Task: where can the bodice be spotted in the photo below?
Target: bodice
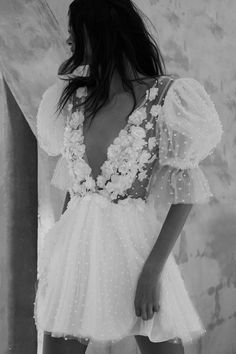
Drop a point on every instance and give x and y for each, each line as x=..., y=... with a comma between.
x=131, y=156
x=157, y=155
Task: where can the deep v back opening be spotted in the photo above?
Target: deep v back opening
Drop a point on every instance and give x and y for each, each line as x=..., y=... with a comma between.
x=125, y=128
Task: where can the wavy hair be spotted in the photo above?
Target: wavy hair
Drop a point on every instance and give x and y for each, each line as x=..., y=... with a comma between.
x=117, y=33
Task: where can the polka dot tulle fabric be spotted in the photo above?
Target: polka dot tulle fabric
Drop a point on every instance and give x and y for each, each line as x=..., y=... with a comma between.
x=92, y=256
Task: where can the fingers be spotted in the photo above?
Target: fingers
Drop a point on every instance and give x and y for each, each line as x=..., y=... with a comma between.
x=156, y=307
x=138, y=311
x=144, y=313
x=147, y=311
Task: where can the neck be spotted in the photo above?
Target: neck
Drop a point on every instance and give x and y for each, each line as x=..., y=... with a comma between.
x=116, y=86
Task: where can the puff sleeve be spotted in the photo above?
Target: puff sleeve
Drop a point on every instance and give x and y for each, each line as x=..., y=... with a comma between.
x=188, y=129
x=50, y=125
x=50, y=132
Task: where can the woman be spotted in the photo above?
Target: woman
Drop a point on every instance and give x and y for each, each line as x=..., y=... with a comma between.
x=130, y=140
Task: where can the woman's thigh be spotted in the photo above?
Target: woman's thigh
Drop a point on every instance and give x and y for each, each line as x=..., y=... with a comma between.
x=148, y=347
x=53, y=345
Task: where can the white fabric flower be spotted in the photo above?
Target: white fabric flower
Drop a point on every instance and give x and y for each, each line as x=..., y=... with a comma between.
x=81, y=169
x=138, y=132
x=101, y=181
x=152, y=142
x=138, y=116
x=113, y=151
x=109, y=187
x=76, y=135
x=129, y=154
x=78, y=149
x=138, y=144
x=116, y=141
x=153, y=93
x=145, y=156
x=142, y=175
x=81, y=92
x=125, y=155
x=155, y=110
x=123, y=138
x=76, y=119
x=115, y=178
x=89, y=183
x=107, y=169
x=119, y=183
x=149, y=125
x=123, y=168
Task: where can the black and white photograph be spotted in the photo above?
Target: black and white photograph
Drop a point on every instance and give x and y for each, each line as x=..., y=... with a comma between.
x=118, y=179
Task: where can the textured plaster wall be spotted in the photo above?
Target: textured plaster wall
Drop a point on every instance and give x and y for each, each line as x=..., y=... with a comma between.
x=31, y=49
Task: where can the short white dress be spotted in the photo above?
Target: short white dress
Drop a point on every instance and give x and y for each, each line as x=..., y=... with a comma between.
x=93, y=255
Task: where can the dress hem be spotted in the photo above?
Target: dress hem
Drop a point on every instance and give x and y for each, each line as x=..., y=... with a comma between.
x=86, y=339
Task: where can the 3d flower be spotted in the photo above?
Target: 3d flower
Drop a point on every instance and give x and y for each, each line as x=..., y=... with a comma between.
x=142, y=175
x=76, y=135
x=123, y=168
x=125, y=156
x=113, y=151
x=81, y=169
x=101, y=180
x=138, y=116
x=155, y=110
x=77, y=149
x=81, y=92
x=89, y=183
x=152, y=142
x=137, y=132
x=138, y=144
x=149, y=125
x=153, y=93
x=144, y=157
x=76, y=119
x=107, y=169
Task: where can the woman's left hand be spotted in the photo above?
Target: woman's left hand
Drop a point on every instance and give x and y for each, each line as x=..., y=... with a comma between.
x=147, y=295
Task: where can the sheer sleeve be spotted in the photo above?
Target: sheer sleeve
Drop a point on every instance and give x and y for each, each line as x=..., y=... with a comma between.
x=50, y=125
x=61, y=178
x=188, y=129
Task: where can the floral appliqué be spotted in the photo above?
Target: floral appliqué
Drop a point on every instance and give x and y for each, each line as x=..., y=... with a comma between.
x=126, y=156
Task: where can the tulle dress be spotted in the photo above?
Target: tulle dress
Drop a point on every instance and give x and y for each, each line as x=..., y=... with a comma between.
x=93, y=255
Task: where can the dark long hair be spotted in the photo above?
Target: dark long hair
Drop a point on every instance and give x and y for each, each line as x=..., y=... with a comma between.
x=116, y=33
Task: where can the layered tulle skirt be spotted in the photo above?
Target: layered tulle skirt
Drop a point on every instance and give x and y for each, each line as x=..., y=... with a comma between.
x=89, y=268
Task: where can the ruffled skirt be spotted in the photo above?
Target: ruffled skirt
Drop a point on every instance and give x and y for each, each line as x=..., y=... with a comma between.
x=89, y=268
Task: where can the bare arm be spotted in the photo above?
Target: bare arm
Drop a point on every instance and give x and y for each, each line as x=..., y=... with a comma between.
x=169, y=233
x=147, y=296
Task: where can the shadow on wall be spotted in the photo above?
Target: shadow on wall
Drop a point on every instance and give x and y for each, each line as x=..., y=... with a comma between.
x=19, y=223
